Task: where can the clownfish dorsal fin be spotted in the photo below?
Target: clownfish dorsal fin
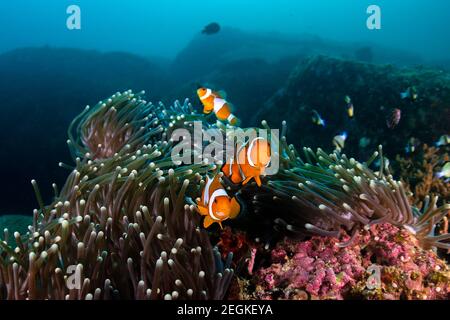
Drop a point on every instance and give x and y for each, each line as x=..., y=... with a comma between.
x=215, y=184
x=231, y=107
x=221, y=94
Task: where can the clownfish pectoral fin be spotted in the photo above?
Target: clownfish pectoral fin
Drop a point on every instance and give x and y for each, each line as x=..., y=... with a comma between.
x=226, y=169
x=236, y=178
x=202, y=210
x=235, y=208
x=258, y=181
x=207, y=222
x=247, y=180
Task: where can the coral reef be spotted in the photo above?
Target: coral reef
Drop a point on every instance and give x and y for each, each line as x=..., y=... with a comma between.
x=321, y=83
x=384, y=262
x=418, y=170
x=326, y=193
x=125, y=218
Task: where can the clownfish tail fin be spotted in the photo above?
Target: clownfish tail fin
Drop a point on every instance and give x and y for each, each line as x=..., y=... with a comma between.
x=233, y=120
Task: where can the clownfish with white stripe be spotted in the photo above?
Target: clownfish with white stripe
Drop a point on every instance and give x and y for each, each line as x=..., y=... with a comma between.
x=249, y=162
x=215, y=204
x=216, y=101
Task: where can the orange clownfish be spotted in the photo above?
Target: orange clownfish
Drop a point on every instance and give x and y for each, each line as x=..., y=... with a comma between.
x=249, y=162
x=215, y=101
x=215, y=204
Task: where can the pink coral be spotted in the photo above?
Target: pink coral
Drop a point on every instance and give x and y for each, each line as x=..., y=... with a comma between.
x=322, y=269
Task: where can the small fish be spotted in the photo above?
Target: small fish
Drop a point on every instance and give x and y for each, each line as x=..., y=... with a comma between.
x=445, y=172
x=339, y=141
x=216, y=101
x=443, y=140
x=364, y=142
x=386, y=162
x=393, y=118
x=249, y=162
x=317, y=119
x=350, y=107
x=411, y=146
x=211, y=28
x=410, y=93
x=215, y=204
x=347, y=99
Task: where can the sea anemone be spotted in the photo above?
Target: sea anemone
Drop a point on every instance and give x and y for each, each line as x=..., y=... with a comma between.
x=120, y=220
x=326, y=194
x=125, y=220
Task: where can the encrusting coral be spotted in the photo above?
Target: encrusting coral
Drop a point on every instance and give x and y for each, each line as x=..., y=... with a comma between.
x=126, y=221
x=384, y=262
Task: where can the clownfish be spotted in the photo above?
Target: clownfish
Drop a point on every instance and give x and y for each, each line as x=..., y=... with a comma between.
x=216, y=101
x=249, y=162
x=215, y=204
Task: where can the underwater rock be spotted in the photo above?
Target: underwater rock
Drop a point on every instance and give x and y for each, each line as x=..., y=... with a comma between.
x=322, y=83
x=205, y=55
x=364, y=54
x=384, y=262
